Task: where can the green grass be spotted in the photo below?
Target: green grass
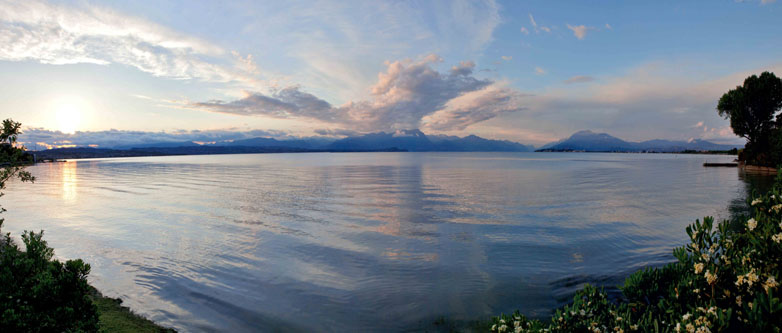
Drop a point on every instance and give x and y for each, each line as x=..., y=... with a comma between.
x=117, y=318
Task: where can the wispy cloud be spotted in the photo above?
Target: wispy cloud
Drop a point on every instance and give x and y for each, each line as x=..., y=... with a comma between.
x=403, y=96
x=540, y=71
x=58, y=34
x=535, y=26
x=524, y=31
x=507, y=58
x=579, y=79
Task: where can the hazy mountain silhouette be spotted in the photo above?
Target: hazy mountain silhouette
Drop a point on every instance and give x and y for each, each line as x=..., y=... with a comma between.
x=402, y=140
x=415, y=140
x=602, y=142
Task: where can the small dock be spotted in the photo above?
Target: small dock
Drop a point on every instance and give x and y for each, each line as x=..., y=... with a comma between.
x=727, y=165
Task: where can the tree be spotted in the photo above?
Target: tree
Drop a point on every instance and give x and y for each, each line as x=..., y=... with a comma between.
x=751, y=108
x=12, y=159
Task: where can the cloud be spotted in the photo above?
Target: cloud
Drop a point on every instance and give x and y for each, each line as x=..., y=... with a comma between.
x=579, y=79
x=335, y=47
x=507, y=58
x=58, y=35
x=474, y=107
x=765, y=2
x=336, y=132
x=286, y=103
x=403, y=96
x=540, y=71
x=579, y=31
x=608, y=26
x=39, y=138
x=535, y=25
x=524, y=31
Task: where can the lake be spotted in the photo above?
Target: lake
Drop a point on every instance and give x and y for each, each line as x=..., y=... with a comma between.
x=365, y=241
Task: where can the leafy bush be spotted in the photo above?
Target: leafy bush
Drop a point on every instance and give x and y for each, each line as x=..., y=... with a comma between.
x=39, y=293
x=724, y=280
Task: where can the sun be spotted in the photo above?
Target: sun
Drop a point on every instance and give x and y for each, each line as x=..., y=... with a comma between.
x=68, y=113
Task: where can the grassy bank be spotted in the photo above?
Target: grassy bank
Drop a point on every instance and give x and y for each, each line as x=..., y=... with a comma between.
x=113, y=317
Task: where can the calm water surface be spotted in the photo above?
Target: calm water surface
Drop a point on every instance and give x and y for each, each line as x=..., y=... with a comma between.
x=337, y=242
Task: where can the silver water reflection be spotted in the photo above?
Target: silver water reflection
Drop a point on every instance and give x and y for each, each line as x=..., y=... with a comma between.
x=364, y=241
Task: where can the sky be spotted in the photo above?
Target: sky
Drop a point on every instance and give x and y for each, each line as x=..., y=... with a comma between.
x=527, y=71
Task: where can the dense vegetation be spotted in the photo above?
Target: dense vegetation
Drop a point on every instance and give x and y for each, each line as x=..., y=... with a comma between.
x=751, y=109
x=724, y=280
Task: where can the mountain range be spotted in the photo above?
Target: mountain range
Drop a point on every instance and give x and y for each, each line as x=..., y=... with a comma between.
x=601, y=142
x=401, y=140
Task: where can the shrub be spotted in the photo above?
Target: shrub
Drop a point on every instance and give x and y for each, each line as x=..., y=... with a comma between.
x=726, y=279
x=39, y=293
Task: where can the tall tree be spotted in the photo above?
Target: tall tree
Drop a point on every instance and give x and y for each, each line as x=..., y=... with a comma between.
x=751, y=108
x=12, y=159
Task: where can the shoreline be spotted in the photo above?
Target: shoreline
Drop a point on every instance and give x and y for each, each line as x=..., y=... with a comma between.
x=114, y=317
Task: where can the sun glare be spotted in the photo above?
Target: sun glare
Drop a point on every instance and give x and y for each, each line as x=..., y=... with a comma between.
x=68, y=113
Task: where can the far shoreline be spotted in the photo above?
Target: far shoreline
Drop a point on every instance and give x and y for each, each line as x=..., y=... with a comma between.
x=64, y=154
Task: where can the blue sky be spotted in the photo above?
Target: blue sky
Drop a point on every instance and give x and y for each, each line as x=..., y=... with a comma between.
x=528, y=71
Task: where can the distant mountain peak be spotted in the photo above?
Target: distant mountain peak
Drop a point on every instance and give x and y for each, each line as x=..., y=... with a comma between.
x=587, y=140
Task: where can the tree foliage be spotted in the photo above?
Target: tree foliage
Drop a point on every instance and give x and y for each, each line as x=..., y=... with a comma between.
x=751, y=108
x=38, y=293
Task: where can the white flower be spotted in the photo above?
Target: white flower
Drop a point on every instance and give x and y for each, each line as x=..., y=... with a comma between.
x=776, y=208
x=705, y=256
x=517, y=329
x=738, y=300
x=494, y=327
x=582, y=313
x=710, y=277
x=752, y=278
x=690, y=328
x=703, y=329
x=503, y=328
x=756, y=201
x=771, y=282
x=777, y=238
x=678, y=327
x=686, y=316
x=713, y=311
x=634, y=327
x=751, y=224
x=698, y=268
x=516, y=323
